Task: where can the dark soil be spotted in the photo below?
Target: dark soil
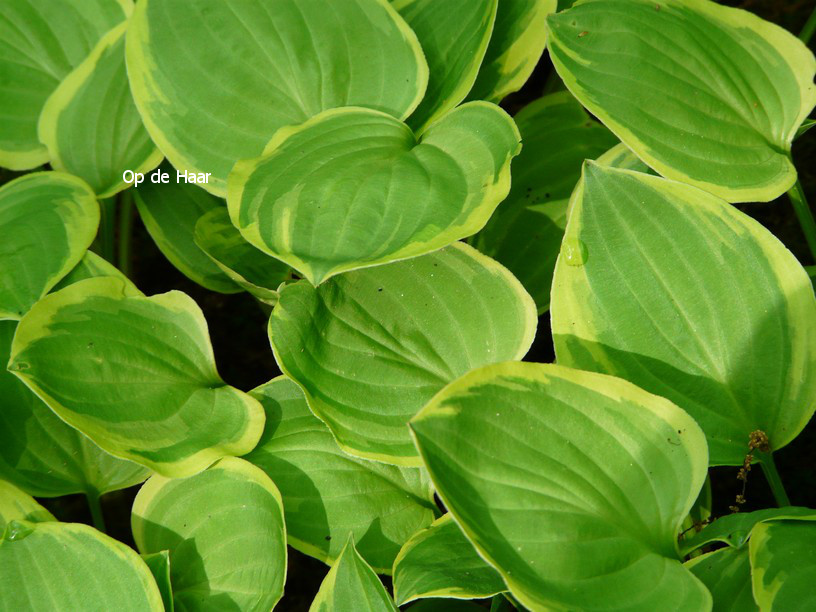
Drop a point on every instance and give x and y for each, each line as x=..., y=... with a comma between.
x=238, y=330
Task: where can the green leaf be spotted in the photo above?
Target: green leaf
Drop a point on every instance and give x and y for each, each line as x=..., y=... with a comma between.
x=371, y=347
x=445, y=605
x=735, y=529
x=135, y=374
x=298, y=452
x=215, y=81
x=783, y=565
x=516, y=45
x=704, y=94
x=159, y=565
x=454, y=37
x=40, y=453
x=805, y=127
x=391, y=197
x=65, y=566
x=43, y=41
x=225, y=533
x=727, y=575
x=572, y=484
x=351, y=584
x=47, y=220
x=440, y=562
x=248, y=267
x=671, y=288
x=16, y=505
x=93, y=105
x=170, y=213
x=92, y=266
x=525, y=232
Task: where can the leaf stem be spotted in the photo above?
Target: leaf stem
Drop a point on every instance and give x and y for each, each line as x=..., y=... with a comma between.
x=104, y=243
x=96, y=510
x=810, y=27
x=125, y=225
x=772, y=476
x=804, y=214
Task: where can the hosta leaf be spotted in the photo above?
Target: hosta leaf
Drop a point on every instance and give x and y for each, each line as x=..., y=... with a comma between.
x=735, y=529
x=159, y=565
x=92, y=266
x=516, y=45
x=15, y=505
x=135, y=374
x=225, y=533
x=727, y=575
x=65, y=566
x=454, y=37
x=371, y=347
x=675, y=290
x=351, y=584
x=705, y=94
x=93, y=106
x=170, y=213
x=445, y=605
x=783, y=565
x=47, y=221
x=248, y=267
x=315, y=477
x=572, y=484
x=353, y=188
x=441, y=562
x=525, y=232
x=215, y=81
x=40, y=453
x=41, y=41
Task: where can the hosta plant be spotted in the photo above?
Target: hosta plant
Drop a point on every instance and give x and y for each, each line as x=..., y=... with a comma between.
x=439, y=305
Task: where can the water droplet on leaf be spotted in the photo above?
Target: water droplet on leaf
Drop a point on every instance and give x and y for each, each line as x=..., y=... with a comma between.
x=16, y=531
x=574, y=251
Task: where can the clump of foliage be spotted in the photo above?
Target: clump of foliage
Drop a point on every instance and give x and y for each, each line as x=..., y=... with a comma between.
x=347, y=164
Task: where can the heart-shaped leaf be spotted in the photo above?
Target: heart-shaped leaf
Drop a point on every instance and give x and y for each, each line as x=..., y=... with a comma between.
x=47, y=221
x=727, y=575
x=454, y=37
x=215, y=81
x=783, y=565
x=672, y=288
x=572, y=484
x=93, y=105
x=705, y=94
x=440, y=562
x=16, y=505
x=41, y=454
x=371, y=347
x=351, y=584
x=65, y=566
x=525, y=232
x=248, y=267
x=43, y=40
x=225, y=532
x=735, y=529
x=135, y=374
x=352, y=188
x=314, y=476
x=170, y=212
x=515, y=47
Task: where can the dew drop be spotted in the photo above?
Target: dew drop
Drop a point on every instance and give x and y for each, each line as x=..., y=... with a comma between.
x=16, y=531
x=574, y=251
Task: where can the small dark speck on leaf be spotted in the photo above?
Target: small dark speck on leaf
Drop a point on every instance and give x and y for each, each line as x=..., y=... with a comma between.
x=328, y=538
x=582, y=34
x=669, y=440
x=380, y=289
x=90, y=345
x=546, y=195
